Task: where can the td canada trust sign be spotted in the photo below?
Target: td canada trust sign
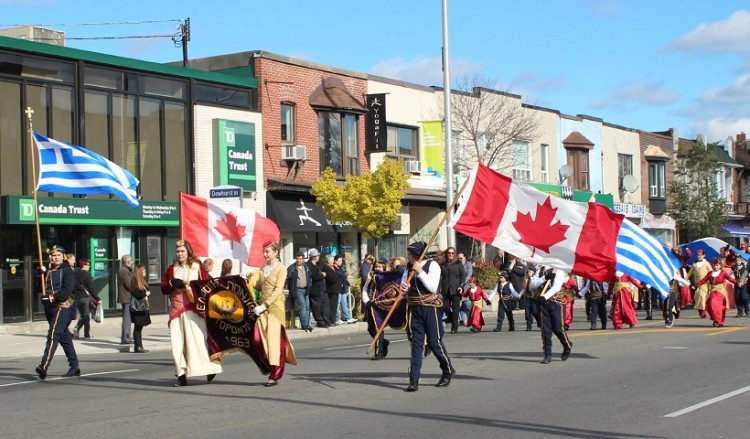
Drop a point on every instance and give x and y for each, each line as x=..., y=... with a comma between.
x=234, y=144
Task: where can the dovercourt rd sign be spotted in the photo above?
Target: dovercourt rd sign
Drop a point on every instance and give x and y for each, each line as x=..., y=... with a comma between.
x=81, y=211
x=235, y=148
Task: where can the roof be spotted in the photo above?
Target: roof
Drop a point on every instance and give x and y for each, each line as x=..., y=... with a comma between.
x=332, y=93
x=655, y=151
x=122, y=62
x=723, y=157
x=577, y=140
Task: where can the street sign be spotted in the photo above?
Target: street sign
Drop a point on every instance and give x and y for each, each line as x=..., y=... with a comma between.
x=225, y=192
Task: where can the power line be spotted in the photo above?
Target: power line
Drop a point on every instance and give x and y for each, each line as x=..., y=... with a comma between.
x=106, y=38
x=110, y=23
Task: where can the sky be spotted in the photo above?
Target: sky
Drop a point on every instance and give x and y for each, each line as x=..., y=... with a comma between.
x=644, y=64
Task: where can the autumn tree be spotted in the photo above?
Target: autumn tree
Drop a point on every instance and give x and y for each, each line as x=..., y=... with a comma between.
x=370, y=202
x=696, y=204
x=486, y=123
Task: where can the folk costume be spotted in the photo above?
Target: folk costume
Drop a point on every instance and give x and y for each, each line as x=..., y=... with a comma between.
x=717, y=303
x=505, y=305
x=270, y=336
x=476, y=295
x=552, y=302
x=698, y=271
x=569, y=289
x=187, y=329
x=622, y=300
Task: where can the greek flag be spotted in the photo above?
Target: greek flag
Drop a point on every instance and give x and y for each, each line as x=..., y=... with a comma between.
x=72, y=169
x=642, y=256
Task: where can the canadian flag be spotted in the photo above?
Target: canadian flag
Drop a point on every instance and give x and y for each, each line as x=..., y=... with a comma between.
x=222, y=231
x=538, y=227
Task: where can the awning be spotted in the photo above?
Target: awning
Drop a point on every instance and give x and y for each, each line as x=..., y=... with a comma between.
x=735, y=230
x=299, y=213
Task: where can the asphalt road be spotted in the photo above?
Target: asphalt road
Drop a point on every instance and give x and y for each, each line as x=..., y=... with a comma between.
x=690, y=381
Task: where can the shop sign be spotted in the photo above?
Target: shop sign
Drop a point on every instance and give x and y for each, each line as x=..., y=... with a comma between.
x=235, y=146
x=377, y=135
x=85, y=212
x=630, y=210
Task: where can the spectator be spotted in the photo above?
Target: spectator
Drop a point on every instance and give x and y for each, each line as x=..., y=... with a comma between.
x=226, y=267
x=343, y=303
x=139, y=290
x=299, y=281
x=125, y=278
x=333, y=289
x=84, y=294
x=318, y=295
x=454, y=277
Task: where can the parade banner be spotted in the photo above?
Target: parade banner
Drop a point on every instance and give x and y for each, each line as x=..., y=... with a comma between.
x=388, y=288
x=227, y=304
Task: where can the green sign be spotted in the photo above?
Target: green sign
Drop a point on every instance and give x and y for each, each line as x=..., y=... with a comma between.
x=99, y=254
x=82, y=211
x=235, y=146
x=433, y=145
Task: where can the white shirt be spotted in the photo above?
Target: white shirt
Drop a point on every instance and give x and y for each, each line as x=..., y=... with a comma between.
x=430, y=280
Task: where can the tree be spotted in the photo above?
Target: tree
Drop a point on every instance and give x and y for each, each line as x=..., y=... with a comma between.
x=370, y=202
x=486, y=122
x=696, y=203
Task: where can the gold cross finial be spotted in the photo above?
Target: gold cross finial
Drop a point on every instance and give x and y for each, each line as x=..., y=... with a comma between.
x=29, y=112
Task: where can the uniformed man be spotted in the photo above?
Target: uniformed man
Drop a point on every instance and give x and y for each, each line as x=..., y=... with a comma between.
x=424, y=316
x=552, y=302
x=60, y=281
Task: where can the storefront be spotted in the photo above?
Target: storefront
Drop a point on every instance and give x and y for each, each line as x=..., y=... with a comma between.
x=99, y=230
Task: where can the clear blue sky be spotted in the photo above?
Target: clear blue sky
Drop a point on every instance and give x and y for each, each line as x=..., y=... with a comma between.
x=646, y=64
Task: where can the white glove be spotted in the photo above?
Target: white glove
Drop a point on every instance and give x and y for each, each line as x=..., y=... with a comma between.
x=258, y=310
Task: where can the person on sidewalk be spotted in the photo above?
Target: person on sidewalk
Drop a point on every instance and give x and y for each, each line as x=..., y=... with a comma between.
x=454, y=278
x=187, y=328
x=343, y=304
x=139, y=290
x=298, y=281
x=333, y=289
x=60, y=282
x=84, y=295
x=124, y=279
x=318, y=296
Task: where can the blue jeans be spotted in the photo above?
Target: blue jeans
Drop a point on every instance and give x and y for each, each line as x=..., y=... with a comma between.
x=302, y=306
x=344, y=307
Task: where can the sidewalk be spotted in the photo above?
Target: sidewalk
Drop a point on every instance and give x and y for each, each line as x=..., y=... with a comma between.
x=20, y=340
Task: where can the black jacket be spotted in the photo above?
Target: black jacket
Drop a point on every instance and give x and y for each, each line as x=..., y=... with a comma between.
x=62, y=282
x=333, y=283
x=318, y=285
x=84, y=286
x=454, y=277
x=517, y=276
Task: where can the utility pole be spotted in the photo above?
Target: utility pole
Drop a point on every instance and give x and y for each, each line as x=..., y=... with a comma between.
x=181, y=39
x=447, y=128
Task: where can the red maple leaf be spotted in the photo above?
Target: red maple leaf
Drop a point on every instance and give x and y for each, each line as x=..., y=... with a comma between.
x=540, y=233
x=230, y=230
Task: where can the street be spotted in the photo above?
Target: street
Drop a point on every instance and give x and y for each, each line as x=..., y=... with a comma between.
x=644, y=382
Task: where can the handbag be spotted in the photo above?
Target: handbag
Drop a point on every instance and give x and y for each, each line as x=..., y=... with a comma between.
x=139, y=305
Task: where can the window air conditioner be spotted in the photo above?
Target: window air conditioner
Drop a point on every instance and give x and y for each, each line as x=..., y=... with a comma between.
x=293, y=152
x=413, y=166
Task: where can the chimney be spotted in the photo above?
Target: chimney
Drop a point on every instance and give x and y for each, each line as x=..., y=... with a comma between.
x=740, y=137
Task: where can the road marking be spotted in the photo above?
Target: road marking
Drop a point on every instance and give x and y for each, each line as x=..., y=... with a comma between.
x=629, y=331
x=674, y=347
x=725, y=330
x=339, y=348
x=707, y=403
x=66, y=378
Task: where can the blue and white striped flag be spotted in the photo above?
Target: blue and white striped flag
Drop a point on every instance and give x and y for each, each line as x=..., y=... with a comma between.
x=71, y=169
x=643, y=257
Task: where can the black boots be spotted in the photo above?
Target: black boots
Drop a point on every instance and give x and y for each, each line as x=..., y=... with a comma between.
x=413, y=386
x=445, y=380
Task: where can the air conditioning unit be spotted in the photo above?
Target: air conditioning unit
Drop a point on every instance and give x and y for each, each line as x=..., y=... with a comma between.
x=293, y=152
x=413, y=166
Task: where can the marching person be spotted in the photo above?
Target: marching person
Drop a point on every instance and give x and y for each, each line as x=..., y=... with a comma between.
x=716, y=304
x=669, y=306
x=533, y=289
x=274, y=343
x=381, y=345
x=741, y=293
x=505, y=304
x=60, y=282
x=187, y=328
x=597, y=304
x=698, y=271
x=570, y=289
x=552, y=302
x=424, y=316
x=622, y=300
x=476, y=295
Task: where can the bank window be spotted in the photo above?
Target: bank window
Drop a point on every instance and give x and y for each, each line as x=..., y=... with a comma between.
x=110, y=79
x=338, y=139
x=226, y=96
x=521, y=160
x=656, y=180
x=402, y=142
x=578, y=159
x=168, y=88
x=287, y=124
x=37, y=68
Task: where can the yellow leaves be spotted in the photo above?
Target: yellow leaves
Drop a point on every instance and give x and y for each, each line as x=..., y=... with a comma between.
x=371, y=202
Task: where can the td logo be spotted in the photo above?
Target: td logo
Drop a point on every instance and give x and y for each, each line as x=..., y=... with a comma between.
x=26, y=210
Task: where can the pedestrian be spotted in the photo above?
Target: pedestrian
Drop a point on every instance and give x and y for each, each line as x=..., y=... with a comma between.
x=465, y=302
x=139, y=290
x=124, y=279
x=620, y=288
x=187, y=329
x=343, y=313
x=698, y=271
x=333, y=289
x=318, y=296
x=271, y=312
x=298, y=280
x=84, y=294
x=424, y=316
x=505, y=304
x=226, y=267
x=716, y=303
x=454, y=277
x=476, y=295
x=741, y=291
x=60, y=281
x=552, y=302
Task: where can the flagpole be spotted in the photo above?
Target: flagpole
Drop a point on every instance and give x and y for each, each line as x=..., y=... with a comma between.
x=411, y=274
x=29, y=113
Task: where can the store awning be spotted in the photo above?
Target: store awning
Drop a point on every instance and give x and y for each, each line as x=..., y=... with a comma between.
x=299, y=213
x=735, y=230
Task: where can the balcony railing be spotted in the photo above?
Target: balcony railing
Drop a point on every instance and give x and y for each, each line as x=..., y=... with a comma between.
x=738, y=209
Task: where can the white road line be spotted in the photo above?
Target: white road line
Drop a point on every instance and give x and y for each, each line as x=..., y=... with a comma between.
x=707, y=403
x=67, y=378
x=674, y=347
x=339, y=348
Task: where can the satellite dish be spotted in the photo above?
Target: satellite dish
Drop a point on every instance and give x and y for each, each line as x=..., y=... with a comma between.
x=566, y=171
x=630, y=183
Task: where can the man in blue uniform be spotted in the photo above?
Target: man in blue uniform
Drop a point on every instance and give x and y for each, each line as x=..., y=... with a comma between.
x=60, y=281
x=424, y=316
x=552, y=302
